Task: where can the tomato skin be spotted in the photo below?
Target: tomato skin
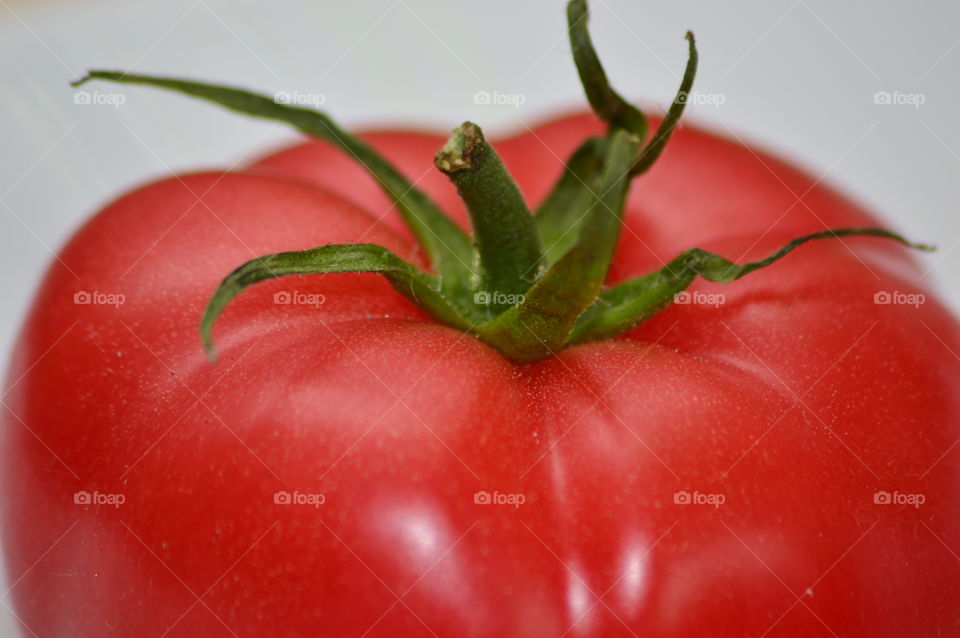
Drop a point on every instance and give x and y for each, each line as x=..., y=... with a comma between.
x=796, y=399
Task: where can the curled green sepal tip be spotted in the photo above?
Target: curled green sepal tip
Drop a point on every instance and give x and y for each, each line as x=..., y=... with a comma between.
x=408, y=280
x=626, y=305
x=606, y=102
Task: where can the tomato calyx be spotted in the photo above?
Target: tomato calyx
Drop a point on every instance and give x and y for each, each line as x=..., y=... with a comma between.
x=528, y=284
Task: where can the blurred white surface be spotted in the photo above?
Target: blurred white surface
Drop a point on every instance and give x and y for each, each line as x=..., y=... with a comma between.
x=796, y=76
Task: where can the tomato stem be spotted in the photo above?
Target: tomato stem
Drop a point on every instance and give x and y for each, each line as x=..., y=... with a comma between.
x=541, y=323
x=504, y=233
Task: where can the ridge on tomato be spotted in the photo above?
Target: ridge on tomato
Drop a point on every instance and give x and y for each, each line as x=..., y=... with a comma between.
x=478, y=456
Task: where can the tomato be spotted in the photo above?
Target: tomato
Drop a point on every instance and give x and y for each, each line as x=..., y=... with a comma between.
x=768, y=457
x=796, y=400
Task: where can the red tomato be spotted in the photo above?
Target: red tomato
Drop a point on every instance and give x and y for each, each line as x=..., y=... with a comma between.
x=778, y=461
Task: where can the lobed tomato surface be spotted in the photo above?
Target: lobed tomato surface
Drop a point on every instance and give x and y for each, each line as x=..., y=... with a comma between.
x=715, y=472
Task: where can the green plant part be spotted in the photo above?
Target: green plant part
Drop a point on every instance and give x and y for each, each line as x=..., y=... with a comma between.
x=527, y=284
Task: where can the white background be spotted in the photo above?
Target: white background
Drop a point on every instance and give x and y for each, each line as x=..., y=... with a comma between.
x=796, y=76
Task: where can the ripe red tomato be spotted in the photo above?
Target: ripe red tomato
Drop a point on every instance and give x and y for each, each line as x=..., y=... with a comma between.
x=775, y=461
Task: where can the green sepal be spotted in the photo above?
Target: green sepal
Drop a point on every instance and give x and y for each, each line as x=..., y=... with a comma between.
x=563, y=211
x=651, y=153
x=626, y=305
x=411, y=282
x=561, y=215
x=447, y=246
x=606, y=103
